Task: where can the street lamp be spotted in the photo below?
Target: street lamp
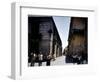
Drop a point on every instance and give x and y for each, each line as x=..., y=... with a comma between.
x=51, y=40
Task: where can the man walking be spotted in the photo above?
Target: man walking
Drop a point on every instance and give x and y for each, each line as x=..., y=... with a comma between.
x=33, y=59
x=40, y=56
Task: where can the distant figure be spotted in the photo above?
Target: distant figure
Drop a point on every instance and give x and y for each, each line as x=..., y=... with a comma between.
x=48, y=60
x=40, y=57
x=33, y=59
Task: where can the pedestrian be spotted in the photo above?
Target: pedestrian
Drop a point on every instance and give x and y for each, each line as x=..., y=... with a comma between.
x=40, y=57
x=33, y=59
x=48, y=60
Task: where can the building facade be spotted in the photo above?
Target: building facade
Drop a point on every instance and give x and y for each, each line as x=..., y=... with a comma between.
x=78, y=40
x=43, y=37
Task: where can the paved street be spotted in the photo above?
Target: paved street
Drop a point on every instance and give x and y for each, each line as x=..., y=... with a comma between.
x=58, y=61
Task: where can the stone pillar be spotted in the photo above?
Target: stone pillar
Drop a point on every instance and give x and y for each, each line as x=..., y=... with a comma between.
x=55, y=52
x=58, y=52
x=51, y=44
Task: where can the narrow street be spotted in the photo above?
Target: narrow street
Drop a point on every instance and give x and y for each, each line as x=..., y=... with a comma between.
x=58, y=61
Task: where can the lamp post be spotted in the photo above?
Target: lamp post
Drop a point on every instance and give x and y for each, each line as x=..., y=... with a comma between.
x=51, y=45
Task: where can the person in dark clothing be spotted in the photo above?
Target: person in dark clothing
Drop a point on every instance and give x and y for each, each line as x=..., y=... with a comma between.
x=48, y=60
x=33, y=59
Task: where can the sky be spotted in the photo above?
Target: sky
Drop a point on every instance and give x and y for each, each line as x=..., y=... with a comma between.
x=62, y=24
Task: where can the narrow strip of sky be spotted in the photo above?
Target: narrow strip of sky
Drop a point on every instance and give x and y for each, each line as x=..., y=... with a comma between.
x=62, y=24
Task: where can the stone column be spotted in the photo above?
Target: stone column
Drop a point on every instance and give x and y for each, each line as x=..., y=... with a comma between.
x=58, y=52
x=55, y=52
x=51, y=44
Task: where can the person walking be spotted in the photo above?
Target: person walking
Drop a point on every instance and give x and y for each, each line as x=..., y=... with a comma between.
x=40, y=57
x=33, y=59
x=48, y=60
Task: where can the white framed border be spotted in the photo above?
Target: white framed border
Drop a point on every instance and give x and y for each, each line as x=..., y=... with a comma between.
x=19, y=69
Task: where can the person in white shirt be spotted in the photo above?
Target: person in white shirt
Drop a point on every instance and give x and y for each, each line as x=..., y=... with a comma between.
x=40, y=57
